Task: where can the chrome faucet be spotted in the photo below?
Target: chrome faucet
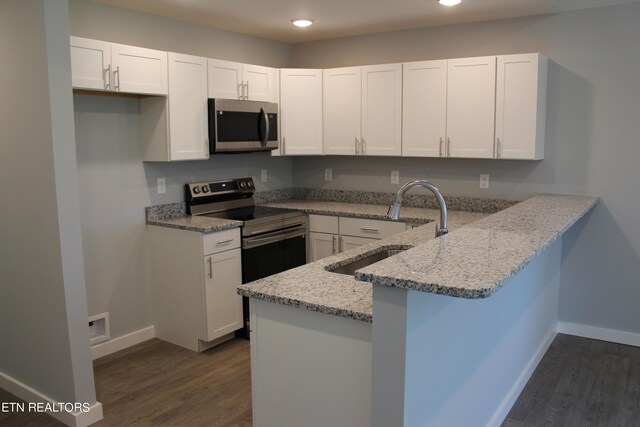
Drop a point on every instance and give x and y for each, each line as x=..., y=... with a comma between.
x=394, y=209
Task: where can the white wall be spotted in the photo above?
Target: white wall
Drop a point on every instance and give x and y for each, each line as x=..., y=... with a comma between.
x=591, y=148
x=116, y=186
x=44, y=338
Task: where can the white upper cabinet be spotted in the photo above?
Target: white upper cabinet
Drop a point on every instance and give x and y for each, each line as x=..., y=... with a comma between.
x=233, y=80
x=99, y=65
x=90, y=64
x=471, y=96
x=301, y=111
x=225, y=79
x=521, y=95
x=341, y=110
x=176, y=127
x=381, y=110
x=188, y=119
x=424, y=112
x=139, y=70
x=362, y=109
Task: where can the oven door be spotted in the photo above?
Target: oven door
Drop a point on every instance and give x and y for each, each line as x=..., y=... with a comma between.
x=273, y=252
x=268, y=254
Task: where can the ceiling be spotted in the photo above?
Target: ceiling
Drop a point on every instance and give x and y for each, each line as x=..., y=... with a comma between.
x=270, y=19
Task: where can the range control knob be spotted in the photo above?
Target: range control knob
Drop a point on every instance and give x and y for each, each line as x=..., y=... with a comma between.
x=205, y=189
x=250, y=183
x=242, y=184
x=196, y=190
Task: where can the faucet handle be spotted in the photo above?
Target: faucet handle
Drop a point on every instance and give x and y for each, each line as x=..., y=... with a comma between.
x=440, y=231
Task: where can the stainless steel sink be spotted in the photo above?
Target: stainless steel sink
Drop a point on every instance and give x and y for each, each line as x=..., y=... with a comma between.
x=350, y=269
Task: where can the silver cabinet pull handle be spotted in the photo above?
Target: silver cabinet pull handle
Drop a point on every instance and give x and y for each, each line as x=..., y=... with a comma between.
x=224, y=242
x=499, y=149
x=334, y=244
x=284, y=145
x=364, y=147
x=107, y=73
x=440, y=148
x=341, y=245
x=448, y=147
x=117, y=79
x=210, y=267
x=357, y=151
x=247, y=94
x=240, y=91
x=369, y=230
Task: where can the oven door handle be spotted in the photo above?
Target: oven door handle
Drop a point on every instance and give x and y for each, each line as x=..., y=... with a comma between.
x=276, y=236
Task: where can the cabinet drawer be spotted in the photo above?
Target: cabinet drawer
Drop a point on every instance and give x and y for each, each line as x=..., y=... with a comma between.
x=323, y=224
x=221, y=241
x=371, y=228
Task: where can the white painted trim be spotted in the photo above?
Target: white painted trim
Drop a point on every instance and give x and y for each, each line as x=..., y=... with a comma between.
x=511, y=397
x=28, y=394
x=120, y=343
x=603, y=334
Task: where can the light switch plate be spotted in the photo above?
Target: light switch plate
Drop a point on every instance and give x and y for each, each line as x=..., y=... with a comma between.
x=263, y=175
x=162, y=186
x=395, y=177
x=484, y=180
x=328, y=174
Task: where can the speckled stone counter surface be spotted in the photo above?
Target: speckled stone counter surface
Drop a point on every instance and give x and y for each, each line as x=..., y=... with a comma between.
x=476, y=260
x=314, y=288
x=358, y=210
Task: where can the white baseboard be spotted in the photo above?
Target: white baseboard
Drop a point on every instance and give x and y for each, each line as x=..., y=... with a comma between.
x=511, y=397
x=602, y=334
x=28, y=394
x=120, y=343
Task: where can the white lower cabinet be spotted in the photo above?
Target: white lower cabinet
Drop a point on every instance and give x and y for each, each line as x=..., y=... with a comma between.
x=194, y=277
x=330, y=235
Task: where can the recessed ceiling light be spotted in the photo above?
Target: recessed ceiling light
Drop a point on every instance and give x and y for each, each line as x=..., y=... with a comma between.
x=449, y=2
x=302, y=22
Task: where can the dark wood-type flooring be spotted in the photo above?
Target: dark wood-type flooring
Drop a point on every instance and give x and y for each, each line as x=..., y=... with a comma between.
x=579, y=382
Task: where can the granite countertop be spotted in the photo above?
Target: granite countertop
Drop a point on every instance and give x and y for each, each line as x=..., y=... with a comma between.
x=314, y=288
x=361, y=210
x=479, y=255
x=201, y=224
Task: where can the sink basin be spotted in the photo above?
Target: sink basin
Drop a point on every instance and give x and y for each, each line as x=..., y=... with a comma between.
x=350, y=269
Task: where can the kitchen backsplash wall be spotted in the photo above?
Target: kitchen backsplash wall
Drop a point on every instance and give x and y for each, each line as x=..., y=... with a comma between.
x=115, y=186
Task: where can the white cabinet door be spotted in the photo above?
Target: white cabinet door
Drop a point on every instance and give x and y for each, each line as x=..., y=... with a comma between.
x=261, y=83
x=341, y=110
x=471, y=94
x=382, y=110
x=223, y=274
x=322, y=245
x=424, y=108
x=139, y=70
x=90, y=64
x=351, y=242
x=225, y=79
x=301, y=111
x=521, y=95
x=188, y=120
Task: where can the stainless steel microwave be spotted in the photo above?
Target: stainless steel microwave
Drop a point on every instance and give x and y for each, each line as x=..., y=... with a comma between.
x=237, y=126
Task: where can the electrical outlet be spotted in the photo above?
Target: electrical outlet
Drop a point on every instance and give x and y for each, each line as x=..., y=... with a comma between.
x=328, y=174
x=162, y=186
x=395, y=177
x=263, y=175
x=484, y=180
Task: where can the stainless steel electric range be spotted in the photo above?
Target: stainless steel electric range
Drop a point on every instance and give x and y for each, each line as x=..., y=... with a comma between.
x=273, y=239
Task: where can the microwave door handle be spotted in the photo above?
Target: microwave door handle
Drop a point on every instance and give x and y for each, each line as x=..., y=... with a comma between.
x=265, y=138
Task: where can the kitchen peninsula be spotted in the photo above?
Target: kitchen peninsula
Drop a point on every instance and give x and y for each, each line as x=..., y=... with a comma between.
x=460, y=323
